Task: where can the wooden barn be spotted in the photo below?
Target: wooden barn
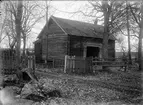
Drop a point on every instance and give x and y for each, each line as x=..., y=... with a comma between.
x=61, y=37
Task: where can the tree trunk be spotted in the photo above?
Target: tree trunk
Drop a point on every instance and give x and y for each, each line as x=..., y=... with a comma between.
x=140, y=41
x=140, y=51
x=18, y=30
x=140, y=48
x=105, y=44
x=106, y=31
x=24, y=46
x=47, y=8
x=128, y=32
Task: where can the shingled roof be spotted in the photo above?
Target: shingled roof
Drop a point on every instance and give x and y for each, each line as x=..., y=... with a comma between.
x=78, y=28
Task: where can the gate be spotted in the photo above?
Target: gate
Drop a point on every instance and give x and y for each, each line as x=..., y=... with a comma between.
x=78, y=65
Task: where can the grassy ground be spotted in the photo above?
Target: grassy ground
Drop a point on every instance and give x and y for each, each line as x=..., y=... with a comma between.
x=102, y=88
x=89, y=93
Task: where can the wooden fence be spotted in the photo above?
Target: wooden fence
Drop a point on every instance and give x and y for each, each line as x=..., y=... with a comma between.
x=52, y=63
x=114, y=62
x=80, y=65
x=77, y=65
x=58, y=63
x=8, y=62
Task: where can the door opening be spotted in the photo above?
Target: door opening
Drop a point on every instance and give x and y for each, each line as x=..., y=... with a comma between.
x=92, y=52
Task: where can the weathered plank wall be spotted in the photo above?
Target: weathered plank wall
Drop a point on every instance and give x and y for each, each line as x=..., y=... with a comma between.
x=77, y=45
x=57, y=46
x=54, y=42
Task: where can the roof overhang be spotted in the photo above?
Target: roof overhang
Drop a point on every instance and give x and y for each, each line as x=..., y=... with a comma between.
x=37, y=41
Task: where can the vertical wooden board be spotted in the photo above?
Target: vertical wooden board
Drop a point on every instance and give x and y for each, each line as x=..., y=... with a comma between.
x=89, y=65
x=79, y=64
x=38, y=52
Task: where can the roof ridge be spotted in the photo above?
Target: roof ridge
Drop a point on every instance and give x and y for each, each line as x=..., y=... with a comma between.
x=75, y=28
x=75, y=20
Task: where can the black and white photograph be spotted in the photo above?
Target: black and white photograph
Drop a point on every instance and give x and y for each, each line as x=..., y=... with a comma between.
x=71, y=52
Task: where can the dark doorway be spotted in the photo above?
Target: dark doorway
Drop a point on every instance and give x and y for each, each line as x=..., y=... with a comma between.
x=92, y=52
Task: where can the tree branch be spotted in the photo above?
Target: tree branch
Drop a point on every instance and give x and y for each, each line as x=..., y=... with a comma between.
x=134, y=15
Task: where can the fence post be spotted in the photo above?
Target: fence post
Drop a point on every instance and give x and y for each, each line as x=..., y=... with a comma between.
x=74, y=61
x=28, y=61
x=33, y=64
x=53, y=63
x=65, y=66
x=85, y=62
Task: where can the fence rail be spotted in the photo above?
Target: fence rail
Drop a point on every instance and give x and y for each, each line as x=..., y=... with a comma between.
x=109, y=63
x=52, y=63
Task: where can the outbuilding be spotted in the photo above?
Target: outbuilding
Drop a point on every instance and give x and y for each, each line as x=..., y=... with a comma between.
x=61, y=37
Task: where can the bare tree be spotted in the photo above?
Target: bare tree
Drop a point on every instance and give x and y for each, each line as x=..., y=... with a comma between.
x=12, y=21
x=140, y=40
x=31, y=15
x=21, y=18
x=2, y=22
x=12, y=26
x=18, y=28
x=113, y=12
x=47, y=15
x=137, y=12
x=128, y=33
x=106, y=12
x=121, y=43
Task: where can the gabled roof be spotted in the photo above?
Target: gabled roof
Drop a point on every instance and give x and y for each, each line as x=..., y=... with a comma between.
x=77, y=28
